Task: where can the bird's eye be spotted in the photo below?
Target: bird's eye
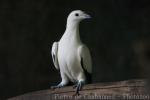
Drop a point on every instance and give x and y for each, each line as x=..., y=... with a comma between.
x=76, y=14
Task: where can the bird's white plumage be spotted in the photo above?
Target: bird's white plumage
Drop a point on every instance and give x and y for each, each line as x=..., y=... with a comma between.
x=54, y=52
x=70, y=50
x=84, y=53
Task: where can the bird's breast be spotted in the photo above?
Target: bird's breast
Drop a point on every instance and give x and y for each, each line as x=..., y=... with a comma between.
x=68, y=59
x=68, y=51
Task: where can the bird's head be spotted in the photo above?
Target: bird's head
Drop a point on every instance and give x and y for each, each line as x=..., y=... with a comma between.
x=77, y=16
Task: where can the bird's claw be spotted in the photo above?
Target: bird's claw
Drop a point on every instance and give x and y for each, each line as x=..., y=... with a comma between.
x=74, y=86
x=57, y=86
x=78, y=87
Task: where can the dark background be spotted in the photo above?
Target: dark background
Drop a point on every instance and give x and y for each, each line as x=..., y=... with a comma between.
x=29, y=27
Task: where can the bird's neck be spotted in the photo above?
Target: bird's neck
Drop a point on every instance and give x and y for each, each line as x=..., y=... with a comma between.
x=72, y=30
x=72, y=25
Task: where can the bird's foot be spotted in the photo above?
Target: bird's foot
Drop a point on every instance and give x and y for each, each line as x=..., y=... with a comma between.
x=57, y=86
x=78, y=87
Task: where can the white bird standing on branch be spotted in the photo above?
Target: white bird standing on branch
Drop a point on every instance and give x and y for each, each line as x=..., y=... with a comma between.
x=71, y=56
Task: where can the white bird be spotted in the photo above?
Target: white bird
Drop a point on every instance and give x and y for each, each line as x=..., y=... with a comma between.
x=71, y=56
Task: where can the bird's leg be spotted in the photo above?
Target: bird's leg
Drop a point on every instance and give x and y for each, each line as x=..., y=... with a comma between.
x=78, y=87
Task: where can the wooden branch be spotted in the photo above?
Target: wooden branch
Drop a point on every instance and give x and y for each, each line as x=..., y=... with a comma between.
x=127, y=90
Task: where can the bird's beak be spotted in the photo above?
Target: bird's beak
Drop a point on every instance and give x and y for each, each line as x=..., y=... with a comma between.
x=86, y=16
